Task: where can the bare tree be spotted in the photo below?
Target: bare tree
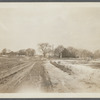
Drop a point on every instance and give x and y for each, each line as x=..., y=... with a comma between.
x=4, y=51
x=45, y=48
x=21, y=52
x=73, y=52
x=82, y=53
x=66, y=53
x=30, y=52
x=12, y=53
x=59, y=50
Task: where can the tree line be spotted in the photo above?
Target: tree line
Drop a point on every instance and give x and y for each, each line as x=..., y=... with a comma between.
x=70, y=52
x=60, y=51
x=22, y=52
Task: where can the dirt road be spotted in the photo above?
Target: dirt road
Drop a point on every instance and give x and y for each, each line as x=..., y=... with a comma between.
x=42, y=76
x=31, y=75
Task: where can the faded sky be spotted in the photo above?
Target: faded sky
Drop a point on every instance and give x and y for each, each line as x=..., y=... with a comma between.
x=25, y=25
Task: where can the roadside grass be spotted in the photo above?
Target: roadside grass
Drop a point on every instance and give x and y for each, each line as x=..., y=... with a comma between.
x=8, y=62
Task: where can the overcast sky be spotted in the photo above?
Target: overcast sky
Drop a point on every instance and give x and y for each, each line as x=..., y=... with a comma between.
x=25, y=25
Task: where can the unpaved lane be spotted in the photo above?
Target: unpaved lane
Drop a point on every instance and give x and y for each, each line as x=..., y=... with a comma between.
x=31, y=75
x=42, y=76
x=12, y=81
x=37, y=80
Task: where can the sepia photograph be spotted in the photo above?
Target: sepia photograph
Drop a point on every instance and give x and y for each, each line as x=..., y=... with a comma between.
x=49, y=48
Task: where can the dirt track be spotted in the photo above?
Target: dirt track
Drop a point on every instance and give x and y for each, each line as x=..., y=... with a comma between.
x=31, y=75
x=43, y=76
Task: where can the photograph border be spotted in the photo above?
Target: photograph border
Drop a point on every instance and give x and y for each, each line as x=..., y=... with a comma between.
x=51, y=96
